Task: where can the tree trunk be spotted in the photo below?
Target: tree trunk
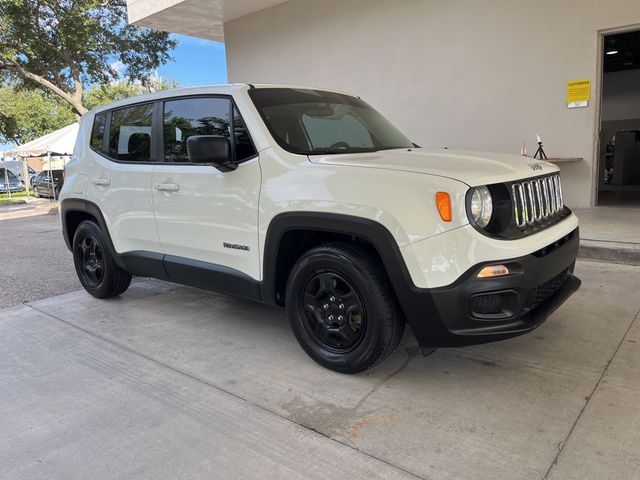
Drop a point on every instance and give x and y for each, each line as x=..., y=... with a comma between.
x=75, y=100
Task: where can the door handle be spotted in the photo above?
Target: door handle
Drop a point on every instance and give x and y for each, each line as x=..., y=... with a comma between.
x=167, y=187
x=101, y=181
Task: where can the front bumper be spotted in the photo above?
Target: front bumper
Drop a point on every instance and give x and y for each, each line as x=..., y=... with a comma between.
x=473, y=310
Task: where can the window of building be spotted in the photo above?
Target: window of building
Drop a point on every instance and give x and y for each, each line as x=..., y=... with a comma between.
x=130, y=133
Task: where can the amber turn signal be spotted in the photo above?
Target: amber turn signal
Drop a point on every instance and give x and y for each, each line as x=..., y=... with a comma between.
x=443, y=202
x=493, y=271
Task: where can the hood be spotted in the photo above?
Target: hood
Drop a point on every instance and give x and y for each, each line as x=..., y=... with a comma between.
x=472, y=168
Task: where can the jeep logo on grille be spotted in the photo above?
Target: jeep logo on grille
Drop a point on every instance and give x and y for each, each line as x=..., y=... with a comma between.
x=535, y=167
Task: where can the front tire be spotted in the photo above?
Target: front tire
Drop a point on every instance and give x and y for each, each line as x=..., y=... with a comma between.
x=95, y=267
x=342, y=309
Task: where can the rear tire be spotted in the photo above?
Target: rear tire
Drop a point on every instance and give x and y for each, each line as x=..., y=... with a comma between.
x=342, y=309
x=96, y=268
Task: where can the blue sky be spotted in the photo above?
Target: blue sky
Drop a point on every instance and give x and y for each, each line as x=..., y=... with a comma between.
x=195, y=62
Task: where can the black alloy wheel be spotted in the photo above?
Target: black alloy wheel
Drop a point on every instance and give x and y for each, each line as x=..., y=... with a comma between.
x=333, y=312
x=342, y=308
x=92, y=261
x=95, y=266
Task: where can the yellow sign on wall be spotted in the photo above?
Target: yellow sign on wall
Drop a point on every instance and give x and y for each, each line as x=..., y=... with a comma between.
x=578, y=92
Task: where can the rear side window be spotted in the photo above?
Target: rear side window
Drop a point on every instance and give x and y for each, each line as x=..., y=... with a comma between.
x=97, y=132
x=202, y=116
x=130, y=133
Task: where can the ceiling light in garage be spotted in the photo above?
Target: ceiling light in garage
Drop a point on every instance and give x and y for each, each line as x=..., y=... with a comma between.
x=612, y=52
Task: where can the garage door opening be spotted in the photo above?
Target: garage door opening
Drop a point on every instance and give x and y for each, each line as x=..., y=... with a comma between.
x=619, y=162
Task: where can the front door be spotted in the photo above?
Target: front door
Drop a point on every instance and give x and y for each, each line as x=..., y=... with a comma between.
x=207, y=220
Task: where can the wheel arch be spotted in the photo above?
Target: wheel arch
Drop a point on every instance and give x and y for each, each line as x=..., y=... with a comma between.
x=74, y=211
x=281, y=248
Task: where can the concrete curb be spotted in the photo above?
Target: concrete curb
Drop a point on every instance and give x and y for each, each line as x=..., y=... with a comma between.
x=612, y=252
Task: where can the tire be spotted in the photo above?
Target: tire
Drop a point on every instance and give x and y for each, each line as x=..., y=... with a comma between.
x=334, y=278
x=97, y=272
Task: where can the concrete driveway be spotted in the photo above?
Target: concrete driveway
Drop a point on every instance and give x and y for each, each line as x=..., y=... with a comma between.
x=173, y=382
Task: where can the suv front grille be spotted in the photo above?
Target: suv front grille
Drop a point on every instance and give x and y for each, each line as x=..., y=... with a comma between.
x=537, y=200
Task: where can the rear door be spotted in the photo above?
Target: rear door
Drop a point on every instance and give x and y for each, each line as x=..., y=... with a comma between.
x=206, y=218
x=123, y=154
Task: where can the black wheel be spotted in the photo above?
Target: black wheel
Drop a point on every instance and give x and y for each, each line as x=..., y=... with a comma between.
x=98, y=273
x=342, y=309
x=56, y=193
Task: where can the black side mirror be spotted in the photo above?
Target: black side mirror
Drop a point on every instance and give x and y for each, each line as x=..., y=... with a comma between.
x=214, y=149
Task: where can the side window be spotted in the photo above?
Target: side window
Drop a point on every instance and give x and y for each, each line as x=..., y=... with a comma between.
x=244, y=145
x=130, y=133
x=192, y=116
x=97, y=132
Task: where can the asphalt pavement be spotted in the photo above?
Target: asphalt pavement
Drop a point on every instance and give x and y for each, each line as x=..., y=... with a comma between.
x=34, y=261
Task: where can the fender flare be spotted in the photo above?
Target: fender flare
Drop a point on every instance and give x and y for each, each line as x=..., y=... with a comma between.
x=69, y=205
x=417, y=304
x=363, y=228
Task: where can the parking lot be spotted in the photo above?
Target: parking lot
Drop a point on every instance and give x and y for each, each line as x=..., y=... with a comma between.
x=173, y=382
x=34, y=261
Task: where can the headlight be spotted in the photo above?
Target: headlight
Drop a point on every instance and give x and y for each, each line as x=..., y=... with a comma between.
x=481, y=206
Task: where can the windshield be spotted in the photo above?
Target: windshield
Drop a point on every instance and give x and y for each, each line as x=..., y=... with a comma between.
x=312, y=122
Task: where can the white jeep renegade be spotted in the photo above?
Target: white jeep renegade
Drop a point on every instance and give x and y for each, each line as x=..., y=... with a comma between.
x=312, y=200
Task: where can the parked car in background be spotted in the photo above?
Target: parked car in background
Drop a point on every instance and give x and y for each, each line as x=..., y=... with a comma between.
x=9, y=182
x=16, y=167
x=44, y=187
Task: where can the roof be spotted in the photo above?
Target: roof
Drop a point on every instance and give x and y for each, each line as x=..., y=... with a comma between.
x=222, y=89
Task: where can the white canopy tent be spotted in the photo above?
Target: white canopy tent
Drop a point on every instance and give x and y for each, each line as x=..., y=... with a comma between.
x=60, y=142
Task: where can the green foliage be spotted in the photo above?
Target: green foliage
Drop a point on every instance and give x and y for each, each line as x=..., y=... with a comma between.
x=102, y=94
x=29, y=114
x=62, y=45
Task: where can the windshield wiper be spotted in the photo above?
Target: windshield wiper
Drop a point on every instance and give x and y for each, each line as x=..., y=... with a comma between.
x=338, y=150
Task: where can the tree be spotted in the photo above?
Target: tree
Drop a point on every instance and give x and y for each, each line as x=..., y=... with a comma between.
x=29, y=114
x=101, y=94
x=62, y=45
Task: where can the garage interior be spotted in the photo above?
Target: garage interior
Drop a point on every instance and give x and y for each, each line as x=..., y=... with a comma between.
x=619, y=163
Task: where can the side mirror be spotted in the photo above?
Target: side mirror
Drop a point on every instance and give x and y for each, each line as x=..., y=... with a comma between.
x=214, y=149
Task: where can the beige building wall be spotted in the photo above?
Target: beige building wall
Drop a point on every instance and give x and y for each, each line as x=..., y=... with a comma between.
x=481, y=75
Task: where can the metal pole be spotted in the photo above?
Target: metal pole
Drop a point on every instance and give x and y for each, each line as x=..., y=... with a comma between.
x=25, y=175
x=53, y=194
x=6, y=180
